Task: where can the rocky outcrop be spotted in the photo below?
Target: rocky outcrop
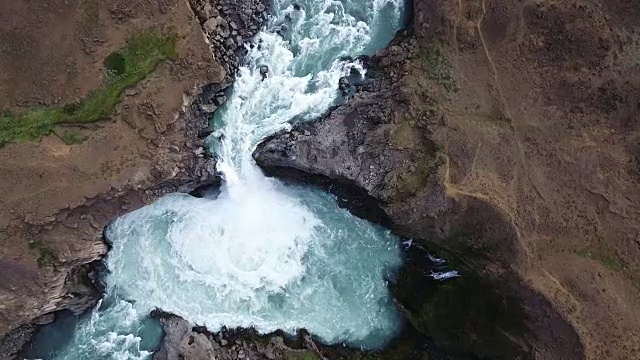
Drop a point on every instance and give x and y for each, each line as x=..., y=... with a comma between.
x=184, y=341
x=372, y=143
x=228, y=25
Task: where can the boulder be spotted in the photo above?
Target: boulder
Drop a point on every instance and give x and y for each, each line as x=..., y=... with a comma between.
x=211, y=25
x=210, y=11
x=344, y=85
x=220, y=99
x=264, y=70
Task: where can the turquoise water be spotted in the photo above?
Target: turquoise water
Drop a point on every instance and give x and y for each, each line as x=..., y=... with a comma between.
x=263, y=254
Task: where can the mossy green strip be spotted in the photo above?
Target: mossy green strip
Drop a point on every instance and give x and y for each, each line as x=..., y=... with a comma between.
x=134, y=62
x=606, y=258
x=435, y=63
x=46, y=256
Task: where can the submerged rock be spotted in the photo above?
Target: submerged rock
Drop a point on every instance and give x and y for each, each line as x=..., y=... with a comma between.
x=264, y=70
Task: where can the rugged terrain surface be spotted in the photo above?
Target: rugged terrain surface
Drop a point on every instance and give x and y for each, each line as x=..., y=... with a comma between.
x=57, y=196
x=505, y=132
x=183, y=341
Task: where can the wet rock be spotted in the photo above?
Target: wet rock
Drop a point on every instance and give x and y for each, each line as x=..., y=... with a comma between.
x=234, y=23
x=220, y=99
x=204, y=133
x=344, y=143
x=264, y=70
x=211, y=25
x=210, y=11
x=183, y=341
x=208, y=108
x=230, y=43
x=344, y=85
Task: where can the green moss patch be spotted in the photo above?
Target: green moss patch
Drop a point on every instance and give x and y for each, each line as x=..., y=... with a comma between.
x=134, y=62
x=72, y=138
x=606, y=258
x=115, y=64
x=433, y=61
x=45, y=255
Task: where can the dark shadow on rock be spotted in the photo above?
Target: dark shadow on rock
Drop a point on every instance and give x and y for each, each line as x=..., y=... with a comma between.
x=349, y=196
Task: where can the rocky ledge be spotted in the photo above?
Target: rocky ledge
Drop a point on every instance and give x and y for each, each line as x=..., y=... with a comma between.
x=228, y=25
x=185, y=341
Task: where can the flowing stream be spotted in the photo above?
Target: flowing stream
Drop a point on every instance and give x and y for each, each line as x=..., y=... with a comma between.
x=262, y=254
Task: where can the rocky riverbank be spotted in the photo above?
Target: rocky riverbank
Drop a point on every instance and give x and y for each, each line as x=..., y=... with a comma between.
x=56, y=197
x=474, y=140
x=228, y=25
x=184, y=341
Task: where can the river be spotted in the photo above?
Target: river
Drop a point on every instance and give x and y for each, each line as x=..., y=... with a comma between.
x=262, y=254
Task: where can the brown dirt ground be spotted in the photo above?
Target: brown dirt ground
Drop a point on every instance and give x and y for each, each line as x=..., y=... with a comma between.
x=545, y=127
x=52, y=52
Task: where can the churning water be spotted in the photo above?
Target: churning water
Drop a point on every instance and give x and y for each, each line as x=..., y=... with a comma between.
x=262, y=254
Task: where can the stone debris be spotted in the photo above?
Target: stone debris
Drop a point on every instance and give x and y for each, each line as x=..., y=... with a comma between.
x=228, y=25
